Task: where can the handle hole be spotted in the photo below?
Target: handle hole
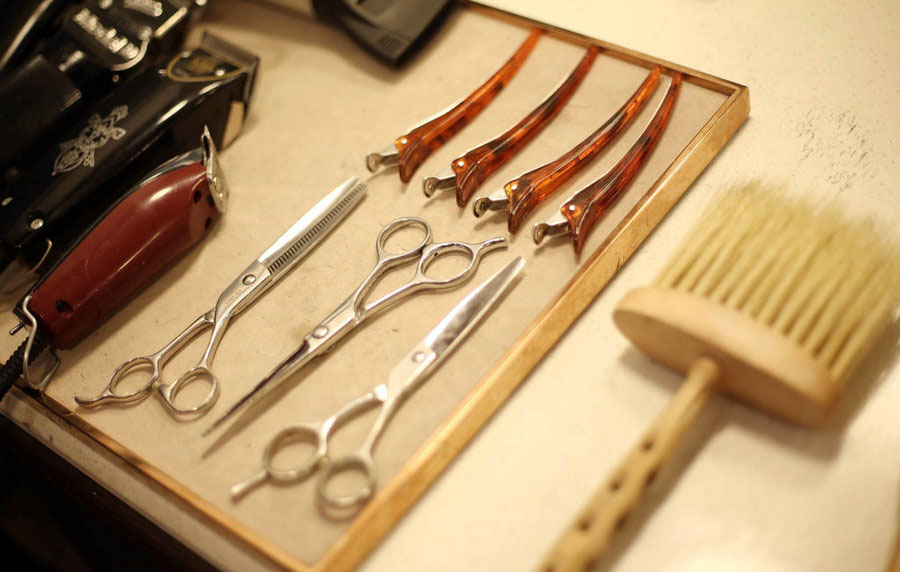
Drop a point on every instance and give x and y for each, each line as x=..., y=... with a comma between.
x=403, y=239
x=207, y=222
x=133, y=379
x=447, y=265
x=294, y=451
x=347, y=480
x=194, y=390
x=197, y=196
x=64, y=307
x=585, y=522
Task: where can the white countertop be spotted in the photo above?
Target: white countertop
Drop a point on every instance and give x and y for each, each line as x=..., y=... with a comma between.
x=745, y=492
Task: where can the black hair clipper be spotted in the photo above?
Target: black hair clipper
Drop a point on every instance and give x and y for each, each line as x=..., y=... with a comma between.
x=157, y=114
x=99, y=44
x=391, y=30
x=23, y=25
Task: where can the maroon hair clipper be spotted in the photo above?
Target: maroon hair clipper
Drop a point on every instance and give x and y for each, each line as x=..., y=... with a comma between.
x=160, y=218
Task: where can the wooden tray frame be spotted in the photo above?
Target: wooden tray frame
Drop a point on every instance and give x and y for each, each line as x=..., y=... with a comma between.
x=401, y=492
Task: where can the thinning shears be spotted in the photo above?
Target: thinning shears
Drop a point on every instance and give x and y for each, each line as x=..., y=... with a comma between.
x=354, y=310
x=255, y=280
x=406, y=376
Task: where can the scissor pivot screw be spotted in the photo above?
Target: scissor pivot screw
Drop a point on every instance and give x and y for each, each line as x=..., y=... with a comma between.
x=249, y=279
x=418, y=357
x=5, y=201
x=320, y=332
x=36, y=223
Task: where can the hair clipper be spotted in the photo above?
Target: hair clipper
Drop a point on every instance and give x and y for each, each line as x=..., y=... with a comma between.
x=391, y=30
x=99, y=45
x=151, y=225
x=25, y=23
x=157, y=114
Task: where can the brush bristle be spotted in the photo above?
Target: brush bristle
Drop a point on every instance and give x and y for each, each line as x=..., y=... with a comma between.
x=828, y=285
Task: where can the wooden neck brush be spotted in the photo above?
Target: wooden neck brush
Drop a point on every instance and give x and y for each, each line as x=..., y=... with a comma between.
x=767, y=301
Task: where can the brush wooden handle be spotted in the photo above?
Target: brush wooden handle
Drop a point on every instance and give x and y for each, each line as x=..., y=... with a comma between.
x=585, y=541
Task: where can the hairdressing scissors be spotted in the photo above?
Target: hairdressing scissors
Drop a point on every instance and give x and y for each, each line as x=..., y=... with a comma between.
x=354, y=310
x=256, y=279
x=406, y=376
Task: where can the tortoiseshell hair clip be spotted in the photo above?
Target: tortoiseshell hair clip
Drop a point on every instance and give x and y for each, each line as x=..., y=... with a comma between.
x=468, y=172
x=581, y=212
x=524, y=193
x=409, y=151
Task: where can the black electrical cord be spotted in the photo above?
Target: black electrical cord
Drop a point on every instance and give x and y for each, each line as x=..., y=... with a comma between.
x=12, y=369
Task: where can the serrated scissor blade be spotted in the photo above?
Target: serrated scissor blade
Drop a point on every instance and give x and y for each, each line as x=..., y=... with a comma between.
x=315, y=225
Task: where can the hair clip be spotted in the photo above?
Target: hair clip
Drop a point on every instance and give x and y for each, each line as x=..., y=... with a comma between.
x=411, y=150
x=467, y=173
x=578, y=215
x=523, y=194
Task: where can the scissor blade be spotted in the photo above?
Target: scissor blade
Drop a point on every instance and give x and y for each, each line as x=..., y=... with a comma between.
x=463, y=318
x=292, y=363
x=315, y=225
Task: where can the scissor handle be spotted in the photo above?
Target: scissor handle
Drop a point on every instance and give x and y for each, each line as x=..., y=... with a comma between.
x=314, y=433
x=422, y=281
x=360, y=462
x=386, y=259
x=473, y=250
x=110, y=395
x=303, y=432
x=198, y=373
x=156, y=361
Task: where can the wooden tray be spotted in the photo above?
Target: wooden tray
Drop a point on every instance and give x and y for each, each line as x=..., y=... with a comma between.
x=320, y=106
